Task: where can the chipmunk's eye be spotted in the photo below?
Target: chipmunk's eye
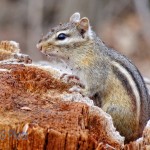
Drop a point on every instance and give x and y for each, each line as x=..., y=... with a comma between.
x=61, y=36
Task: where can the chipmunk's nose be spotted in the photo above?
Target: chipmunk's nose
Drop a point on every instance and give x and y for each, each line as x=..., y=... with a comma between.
x=39, y=46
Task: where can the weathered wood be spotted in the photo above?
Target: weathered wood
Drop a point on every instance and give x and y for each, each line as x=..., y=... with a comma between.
x=34, y=116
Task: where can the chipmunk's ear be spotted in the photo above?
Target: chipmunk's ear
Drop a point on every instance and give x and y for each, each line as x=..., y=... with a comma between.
x=84, y=26
x=75, y=17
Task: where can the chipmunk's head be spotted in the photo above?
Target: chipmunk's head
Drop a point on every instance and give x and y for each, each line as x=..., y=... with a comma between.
x=65, y=39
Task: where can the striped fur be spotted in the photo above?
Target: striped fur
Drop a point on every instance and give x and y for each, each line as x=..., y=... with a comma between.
x=133, y=88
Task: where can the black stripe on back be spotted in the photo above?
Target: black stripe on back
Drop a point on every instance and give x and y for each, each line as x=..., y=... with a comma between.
x=123, y=79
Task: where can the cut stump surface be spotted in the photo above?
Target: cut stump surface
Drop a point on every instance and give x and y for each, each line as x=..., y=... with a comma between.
x=35, y=114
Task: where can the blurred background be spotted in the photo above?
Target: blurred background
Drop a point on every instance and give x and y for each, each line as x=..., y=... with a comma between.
x=122, y=24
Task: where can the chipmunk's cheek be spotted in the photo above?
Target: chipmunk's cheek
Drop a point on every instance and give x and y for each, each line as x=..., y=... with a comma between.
x=52, y=51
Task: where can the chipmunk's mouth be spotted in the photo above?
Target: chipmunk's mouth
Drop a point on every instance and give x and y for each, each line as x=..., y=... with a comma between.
x=53, y=55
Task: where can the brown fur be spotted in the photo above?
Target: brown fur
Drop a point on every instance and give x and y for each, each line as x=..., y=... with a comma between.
x=118, y=104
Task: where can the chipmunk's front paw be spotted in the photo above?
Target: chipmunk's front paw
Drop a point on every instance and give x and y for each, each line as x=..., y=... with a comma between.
x=23, y=58
x=83, y=92
x=71, y=79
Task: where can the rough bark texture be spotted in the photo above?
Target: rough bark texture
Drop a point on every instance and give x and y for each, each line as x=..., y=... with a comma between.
x=35, y=116
x=38, y=112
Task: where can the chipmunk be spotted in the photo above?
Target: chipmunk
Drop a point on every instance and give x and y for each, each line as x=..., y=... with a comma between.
x=110, y=78
x=10, y=51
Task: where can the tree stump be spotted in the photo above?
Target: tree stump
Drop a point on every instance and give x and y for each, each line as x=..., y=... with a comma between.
x=38, y=112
